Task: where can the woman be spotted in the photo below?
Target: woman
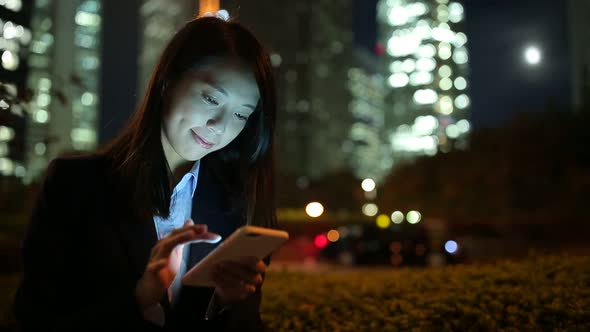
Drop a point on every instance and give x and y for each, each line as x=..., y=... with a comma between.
x=105, y=245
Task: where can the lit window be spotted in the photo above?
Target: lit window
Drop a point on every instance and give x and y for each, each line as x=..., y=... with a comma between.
x=409, y=65
x=455, y=12
x=426, y=64
x=83, y=135
x=398, y=80
x=452, y=131
x=462, y=101
x=460, y=39
x=445, y=71
x=463, y=125
x=444, y=51
x=460, y=83
x=445, y=105
x=6, y=133
x=276, y=59
x=425, y=96
x=443, y=33
x=421, y=78
x=14, y=5
x=6, y=166
x=9, y=60
x=87, y=19
x=40, y=149
x=445, y=84
x=460, y=56
x=87, y=98
x=427, y=51
x=41, y=116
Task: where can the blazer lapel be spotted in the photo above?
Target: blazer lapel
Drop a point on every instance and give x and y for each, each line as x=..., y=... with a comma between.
x=139, y=236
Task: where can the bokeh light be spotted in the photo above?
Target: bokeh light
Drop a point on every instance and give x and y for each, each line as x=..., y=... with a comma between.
x=333, y=235
x=532, y=55
x=383, y=221
x=414, y=217
x=370, y=209
x=320, y=241
x=397, y=217
x=314, y=209
x=368, y=185
x=451, y=247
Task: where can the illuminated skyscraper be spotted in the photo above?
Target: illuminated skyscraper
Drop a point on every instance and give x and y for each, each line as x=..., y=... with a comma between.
x=311, y=46
x=579, y=24
x=15, y=37
x=63, y=45
x=64, y=80
x=368, y=153
x=159, y=20
x=427, y=60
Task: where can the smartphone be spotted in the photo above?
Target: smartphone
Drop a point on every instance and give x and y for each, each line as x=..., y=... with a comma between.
x=245, y=241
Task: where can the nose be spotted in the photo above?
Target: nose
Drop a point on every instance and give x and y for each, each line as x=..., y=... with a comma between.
x=217, y=123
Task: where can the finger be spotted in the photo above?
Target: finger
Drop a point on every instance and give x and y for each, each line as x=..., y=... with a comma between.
x=222, y=281
x=229, y=285
x=199, y=228
x=167, y=244
x=156, y=266
x=260, y=267
x=189, y=222
x=208, y=237
x=241, y=274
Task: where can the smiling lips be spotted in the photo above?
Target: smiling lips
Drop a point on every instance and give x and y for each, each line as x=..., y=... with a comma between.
x=201, y=141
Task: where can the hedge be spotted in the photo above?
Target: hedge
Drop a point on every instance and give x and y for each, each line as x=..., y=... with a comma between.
x=550, y=293
x=537, y=294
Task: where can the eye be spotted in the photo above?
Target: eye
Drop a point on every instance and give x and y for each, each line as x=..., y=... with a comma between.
x=209, y=100
x=241, y=117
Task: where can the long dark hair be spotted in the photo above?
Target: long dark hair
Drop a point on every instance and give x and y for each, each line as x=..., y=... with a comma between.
x=245, y=166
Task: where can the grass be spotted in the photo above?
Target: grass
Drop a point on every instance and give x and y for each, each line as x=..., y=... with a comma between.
x=548, y=293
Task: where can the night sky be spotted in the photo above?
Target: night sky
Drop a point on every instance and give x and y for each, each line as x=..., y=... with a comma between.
x=498, y=31
x=501, y=83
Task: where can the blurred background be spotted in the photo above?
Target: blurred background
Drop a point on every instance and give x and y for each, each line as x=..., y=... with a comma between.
x=410, y=132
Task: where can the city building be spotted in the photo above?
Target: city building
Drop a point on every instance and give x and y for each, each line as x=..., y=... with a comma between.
x=427, y=58
x=15, y=38
x=368, y=153
x=311, y=49
x=159, y=20
x=579, y=32
x=60, y=50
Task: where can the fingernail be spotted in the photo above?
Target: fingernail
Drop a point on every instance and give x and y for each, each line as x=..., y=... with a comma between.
x=189, y=222
x=215, y=239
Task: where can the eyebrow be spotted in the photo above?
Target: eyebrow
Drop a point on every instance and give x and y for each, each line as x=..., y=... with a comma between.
x=222, y=90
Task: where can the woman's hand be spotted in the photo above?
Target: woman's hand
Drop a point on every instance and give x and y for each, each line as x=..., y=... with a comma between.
x=236, y=280
x=165, y=259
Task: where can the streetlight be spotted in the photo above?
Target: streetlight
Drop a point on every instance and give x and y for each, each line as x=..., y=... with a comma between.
x=413, y=217
x=397, y=217
x=368, y=185
x=370, y=209
x=314, y=209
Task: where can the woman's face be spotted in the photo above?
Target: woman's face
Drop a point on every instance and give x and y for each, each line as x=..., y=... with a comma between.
x=207, y=109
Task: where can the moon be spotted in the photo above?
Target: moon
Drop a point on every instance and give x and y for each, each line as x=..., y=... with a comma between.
x=532, y=55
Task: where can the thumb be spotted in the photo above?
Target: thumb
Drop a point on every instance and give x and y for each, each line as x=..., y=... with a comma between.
x=207, y=238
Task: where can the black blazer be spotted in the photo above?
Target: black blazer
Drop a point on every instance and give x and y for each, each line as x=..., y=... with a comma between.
x=84, y=252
